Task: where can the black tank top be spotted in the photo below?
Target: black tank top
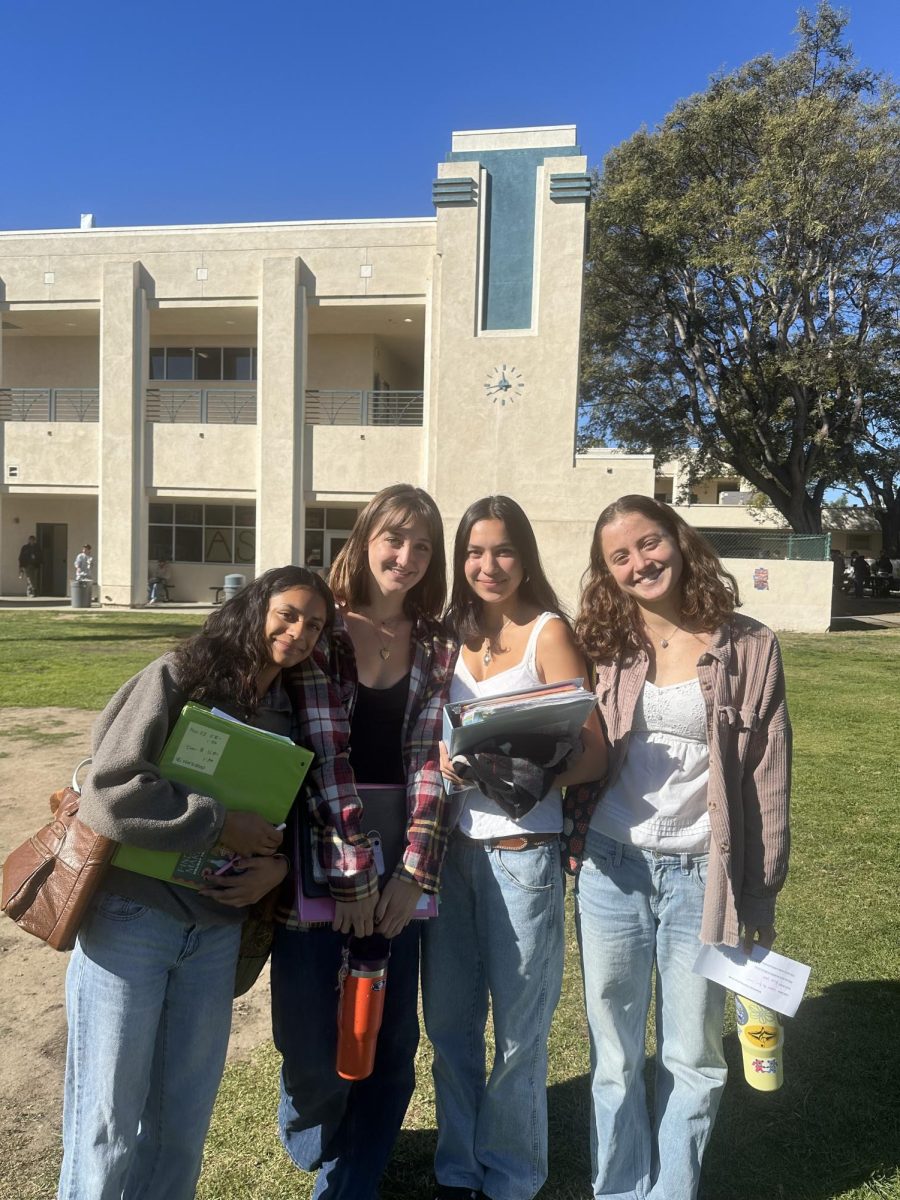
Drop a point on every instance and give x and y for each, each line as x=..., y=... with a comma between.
x=376, y=733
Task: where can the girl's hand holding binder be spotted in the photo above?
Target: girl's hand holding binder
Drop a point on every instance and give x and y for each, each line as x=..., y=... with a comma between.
x=355, y=916
x=249, y=833
x=253, y=878
x=396, y=906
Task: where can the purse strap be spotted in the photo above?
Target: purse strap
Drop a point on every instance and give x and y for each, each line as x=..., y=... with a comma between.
x=76, y=786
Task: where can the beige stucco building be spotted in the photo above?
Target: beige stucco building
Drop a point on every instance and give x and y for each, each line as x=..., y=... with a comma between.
x=228, y=396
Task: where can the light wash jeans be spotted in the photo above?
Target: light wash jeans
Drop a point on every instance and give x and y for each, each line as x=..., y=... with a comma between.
x=499, y=934
x=344, y=1130
x=149, y=1008
x=634, y=907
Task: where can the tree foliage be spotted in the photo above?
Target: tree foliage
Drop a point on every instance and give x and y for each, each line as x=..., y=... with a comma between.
x=742, y=292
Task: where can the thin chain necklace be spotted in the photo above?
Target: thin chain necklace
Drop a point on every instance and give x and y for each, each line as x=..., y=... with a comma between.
x=487, y=657
x=379, y=629
x=664, y=642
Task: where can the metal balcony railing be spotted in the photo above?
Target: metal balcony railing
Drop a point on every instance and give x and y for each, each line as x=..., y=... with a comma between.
x=216, y=406
x=202, y=406
x=49, y=404
x=355, y=407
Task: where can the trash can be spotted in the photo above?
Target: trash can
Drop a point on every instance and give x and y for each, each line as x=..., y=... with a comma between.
x=81, y=593
x=233, y=584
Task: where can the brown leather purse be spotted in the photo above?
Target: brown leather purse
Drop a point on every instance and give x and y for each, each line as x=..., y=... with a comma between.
x=49, y=881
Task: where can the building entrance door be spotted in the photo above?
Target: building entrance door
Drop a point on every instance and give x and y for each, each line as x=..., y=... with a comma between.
x=53, y=540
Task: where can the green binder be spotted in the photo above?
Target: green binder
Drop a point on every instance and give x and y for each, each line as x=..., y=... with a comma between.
x=243, y=768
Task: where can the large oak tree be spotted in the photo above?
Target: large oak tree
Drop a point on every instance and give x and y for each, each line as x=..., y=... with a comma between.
x=742, y=294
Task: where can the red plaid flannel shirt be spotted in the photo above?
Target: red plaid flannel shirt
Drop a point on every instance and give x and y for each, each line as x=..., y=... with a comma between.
x=326, y=692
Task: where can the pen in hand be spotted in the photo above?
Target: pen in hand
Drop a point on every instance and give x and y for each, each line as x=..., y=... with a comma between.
x=227, y=868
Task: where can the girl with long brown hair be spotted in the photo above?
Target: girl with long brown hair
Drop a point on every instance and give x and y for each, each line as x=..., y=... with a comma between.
x=689, y=840
x=499, y=938
x=386, y=670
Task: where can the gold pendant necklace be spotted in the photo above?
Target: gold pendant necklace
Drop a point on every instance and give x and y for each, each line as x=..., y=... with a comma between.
x=487, y=657
x=381, y=628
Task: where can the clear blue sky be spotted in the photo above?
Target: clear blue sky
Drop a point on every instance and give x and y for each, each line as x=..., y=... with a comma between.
x=164, y=112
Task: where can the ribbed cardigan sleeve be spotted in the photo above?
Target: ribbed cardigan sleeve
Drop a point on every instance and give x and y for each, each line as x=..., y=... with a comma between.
x=766, y=787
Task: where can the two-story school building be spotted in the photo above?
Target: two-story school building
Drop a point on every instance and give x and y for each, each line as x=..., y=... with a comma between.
x=228, y=396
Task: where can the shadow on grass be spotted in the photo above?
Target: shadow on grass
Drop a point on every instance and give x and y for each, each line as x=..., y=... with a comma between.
x=831, y=1128
x=410, y=1175
x=833, y=1125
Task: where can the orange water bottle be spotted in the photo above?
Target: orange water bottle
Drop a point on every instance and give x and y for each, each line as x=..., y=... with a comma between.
x=363, y=979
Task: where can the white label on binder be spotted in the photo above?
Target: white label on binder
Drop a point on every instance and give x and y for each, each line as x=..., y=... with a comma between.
x=200, y=748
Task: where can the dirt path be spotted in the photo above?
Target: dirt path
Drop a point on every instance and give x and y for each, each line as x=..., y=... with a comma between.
x=38, y=750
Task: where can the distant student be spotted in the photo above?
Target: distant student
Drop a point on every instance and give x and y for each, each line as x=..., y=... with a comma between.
x=30, y=561
x=84, y=564
x=159, y=580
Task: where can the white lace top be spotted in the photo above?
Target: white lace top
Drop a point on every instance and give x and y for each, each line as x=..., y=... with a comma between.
x=658, y=800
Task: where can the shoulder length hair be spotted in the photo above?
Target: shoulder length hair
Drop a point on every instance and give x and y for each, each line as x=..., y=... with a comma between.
x=221, y=664
x=394, y=507
x=465, y=612
x=609, y=622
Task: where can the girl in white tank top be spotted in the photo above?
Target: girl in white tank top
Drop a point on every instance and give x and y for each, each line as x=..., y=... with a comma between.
x=499, y=935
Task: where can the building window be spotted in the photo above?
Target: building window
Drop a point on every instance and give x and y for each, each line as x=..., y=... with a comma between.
x=203, y=363
x=203, y=533
x=327, y=529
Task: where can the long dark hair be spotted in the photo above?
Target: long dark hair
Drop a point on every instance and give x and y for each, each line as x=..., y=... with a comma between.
x=465, y=611
x=221, y=664
x=394, y=507
x=609, y=622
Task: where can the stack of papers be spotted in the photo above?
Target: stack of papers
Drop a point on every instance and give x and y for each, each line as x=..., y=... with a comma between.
x=559, y=709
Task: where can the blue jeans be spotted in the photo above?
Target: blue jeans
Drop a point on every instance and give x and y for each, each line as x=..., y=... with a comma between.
x=148, y=1002
x=634, y=908
x=499, y=935
x=344, y=1130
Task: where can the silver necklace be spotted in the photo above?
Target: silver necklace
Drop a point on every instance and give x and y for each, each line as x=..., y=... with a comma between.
x=664, y=642
x=487, y=657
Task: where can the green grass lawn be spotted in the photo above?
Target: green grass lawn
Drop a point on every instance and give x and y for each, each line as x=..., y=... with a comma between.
x=832, y=1131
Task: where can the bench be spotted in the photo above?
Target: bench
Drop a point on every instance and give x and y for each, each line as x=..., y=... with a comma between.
x=218, y=588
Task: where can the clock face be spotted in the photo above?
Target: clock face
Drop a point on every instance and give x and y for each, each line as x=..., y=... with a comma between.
x=504, y=383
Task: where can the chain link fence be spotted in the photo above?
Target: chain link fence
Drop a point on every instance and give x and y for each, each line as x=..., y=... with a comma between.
x=765, y=543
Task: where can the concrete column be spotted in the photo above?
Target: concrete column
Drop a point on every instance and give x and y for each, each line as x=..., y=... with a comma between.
x=122, y=518
x=281, y=390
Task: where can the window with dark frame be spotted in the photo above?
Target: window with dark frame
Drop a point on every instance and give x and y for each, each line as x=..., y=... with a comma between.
x=193, y=532
x=203, y=363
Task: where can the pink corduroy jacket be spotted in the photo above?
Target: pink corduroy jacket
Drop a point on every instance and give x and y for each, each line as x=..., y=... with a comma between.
x=742, y=681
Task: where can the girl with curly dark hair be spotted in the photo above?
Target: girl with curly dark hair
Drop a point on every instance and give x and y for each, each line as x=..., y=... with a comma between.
x=689, y=840
x=150, y=982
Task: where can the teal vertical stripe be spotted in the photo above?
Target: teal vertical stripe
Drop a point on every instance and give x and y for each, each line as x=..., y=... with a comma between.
x=509, y=249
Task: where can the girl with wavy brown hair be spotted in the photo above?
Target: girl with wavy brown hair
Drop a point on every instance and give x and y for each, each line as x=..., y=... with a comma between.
x=689, y=840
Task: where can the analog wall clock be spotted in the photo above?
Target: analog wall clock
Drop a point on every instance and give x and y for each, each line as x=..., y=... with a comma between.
x=504, y=383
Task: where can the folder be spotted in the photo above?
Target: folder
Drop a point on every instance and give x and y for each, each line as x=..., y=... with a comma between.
x=242, y=767
x=384, y=820
x=555, y=708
